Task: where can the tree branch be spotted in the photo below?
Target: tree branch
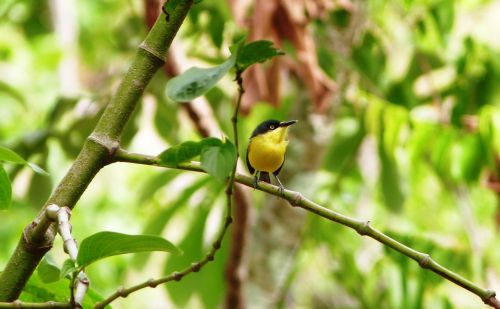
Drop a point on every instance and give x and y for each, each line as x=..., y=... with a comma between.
x=46, y=305
x=97, y=151
x=362, y=227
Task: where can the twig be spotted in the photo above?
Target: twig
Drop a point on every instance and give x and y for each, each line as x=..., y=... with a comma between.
x=61, y=215
x=362, y=227
x=48, y=305
x=195, y=267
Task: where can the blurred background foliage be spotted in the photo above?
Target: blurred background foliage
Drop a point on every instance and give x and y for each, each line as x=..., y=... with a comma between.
x=399, y=124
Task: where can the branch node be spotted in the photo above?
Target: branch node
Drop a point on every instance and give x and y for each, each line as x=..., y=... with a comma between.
x=111, y=145
x=363, y=228
x=210, y=257
x=122, y=292
x=145, y=47
x=34, y=247
x=490, y=299
x=216, y=245
x=425, y=261
x=195, y=267
x=152, y=283
x=177, y=276
x=297, y=199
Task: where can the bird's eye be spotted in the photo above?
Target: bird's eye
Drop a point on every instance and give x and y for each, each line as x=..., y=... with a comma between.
x=271, y=127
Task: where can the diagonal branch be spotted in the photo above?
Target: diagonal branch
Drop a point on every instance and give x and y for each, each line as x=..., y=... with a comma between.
x=37, y=237
x=363, y=228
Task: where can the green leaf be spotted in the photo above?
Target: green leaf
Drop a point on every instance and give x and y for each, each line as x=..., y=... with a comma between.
x=37, y=169
x=219, y=161
x=170, y=5
x=5, y=189
x=192, y=244
x=186, y=151
x=159, y=219
x=257, y=51
x=38, y=291
x=67, y=268
x=105, y=244
x=197, y=81
x=10, y=156
x=467, y=158
x=13, y=93
x=48, y=271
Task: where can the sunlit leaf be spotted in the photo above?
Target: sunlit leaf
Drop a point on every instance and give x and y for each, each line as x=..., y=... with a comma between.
x=5, y=189
x=467, y=155
x=13, y=93
x=192, y=245
x=37, y=169
x=105, y=244
x=196, y=81
x=10, y=156
x=186, y=151
x=159, y=219
x=255, y=52
x=38, y=291
x=67, y=268
x=219, y=161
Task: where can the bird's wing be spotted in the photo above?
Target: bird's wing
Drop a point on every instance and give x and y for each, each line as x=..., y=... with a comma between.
x=250, y=167
x=276, y=172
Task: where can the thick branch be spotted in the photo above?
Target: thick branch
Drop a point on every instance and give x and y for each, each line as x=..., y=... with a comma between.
x=96, y=153
x=362, y=227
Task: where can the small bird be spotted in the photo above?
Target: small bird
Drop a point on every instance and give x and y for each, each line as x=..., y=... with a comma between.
x=266, y=150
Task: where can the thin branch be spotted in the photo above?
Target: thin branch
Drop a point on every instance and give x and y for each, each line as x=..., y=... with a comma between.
x=195, y=267
x=202, y=117
x=46, y=305
x=363, y=228
x=61, y=215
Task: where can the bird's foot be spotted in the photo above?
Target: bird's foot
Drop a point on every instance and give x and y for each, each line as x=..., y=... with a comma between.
x=255, y=181
x=281, y=191
x=281, y=188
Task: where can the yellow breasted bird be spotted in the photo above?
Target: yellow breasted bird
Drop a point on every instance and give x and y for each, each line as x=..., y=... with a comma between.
x=266, y=150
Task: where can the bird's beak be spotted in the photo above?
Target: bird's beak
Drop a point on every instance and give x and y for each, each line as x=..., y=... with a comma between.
x=287, y=123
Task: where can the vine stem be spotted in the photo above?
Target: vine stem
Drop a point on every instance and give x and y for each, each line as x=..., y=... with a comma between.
x=296, y=199
x=210, y=256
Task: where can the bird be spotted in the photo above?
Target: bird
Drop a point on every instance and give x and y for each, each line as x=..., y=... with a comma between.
x=266, y=150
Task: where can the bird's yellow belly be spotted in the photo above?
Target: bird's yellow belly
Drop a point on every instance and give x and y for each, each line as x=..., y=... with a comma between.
x=266, y=157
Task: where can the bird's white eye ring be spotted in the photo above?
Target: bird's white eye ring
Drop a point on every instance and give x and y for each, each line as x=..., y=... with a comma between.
x=271, y=127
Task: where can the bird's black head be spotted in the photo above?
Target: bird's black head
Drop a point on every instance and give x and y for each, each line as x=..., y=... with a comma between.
x=270, y=125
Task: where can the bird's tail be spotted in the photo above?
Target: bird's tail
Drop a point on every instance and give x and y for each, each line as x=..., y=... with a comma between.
x=264, y=176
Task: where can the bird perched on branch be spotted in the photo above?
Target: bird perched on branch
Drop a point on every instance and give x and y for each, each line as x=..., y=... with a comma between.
x=266, y=150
